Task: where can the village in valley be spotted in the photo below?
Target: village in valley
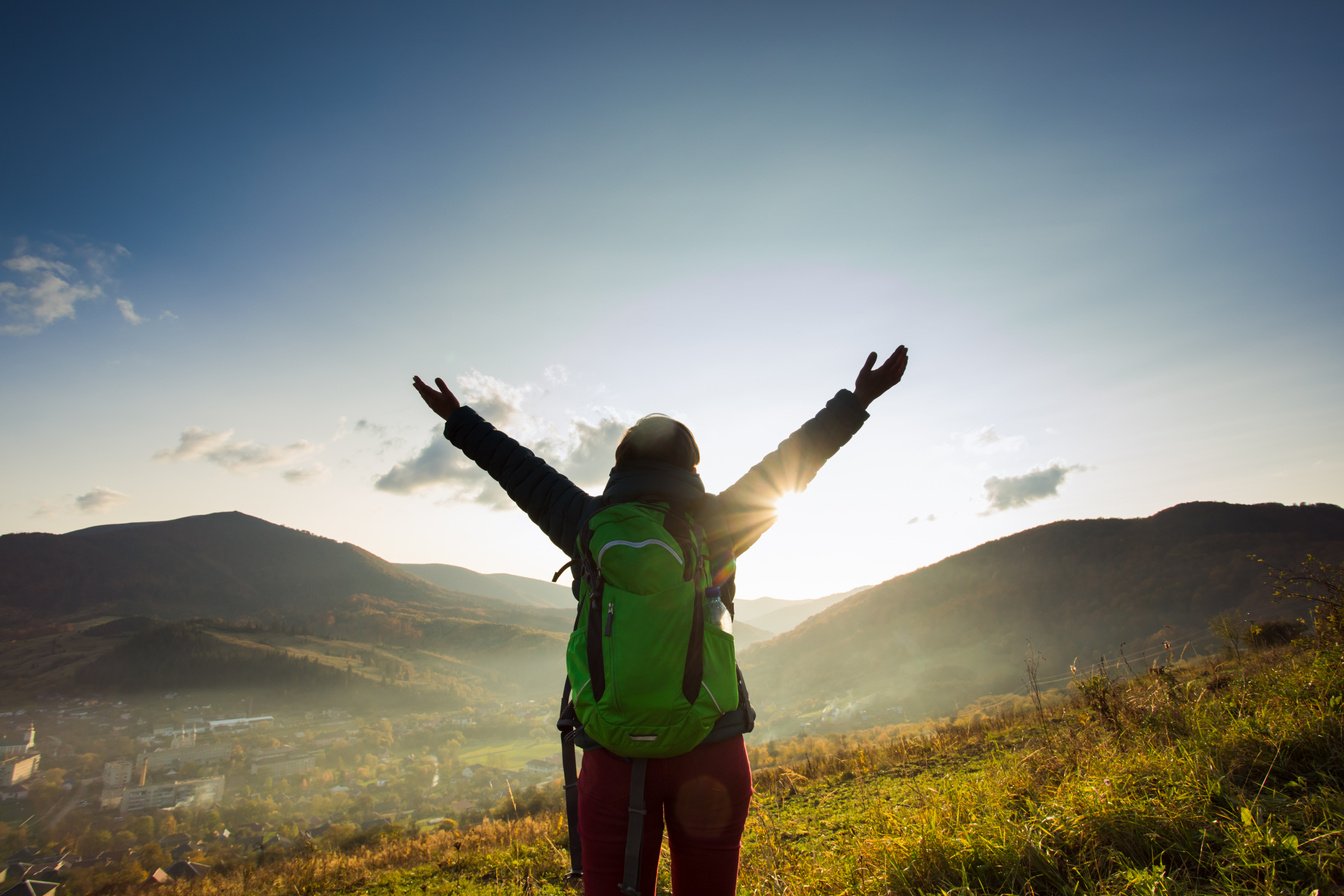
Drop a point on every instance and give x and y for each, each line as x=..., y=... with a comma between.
x=93, y=790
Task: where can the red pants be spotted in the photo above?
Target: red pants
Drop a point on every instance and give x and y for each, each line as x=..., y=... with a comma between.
x=702, y=797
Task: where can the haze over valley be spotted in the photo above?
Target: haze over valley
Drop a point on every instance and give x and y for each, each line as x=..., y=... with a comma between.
x=230, y=602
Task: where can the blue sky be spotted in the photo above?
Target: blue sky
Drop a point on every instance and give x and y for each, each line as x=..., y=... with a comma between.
x=230, y=234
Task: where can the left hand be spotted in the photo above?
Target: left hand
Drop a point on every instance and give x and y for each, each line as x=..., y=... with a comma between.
x=441, y=401
x=872, y=382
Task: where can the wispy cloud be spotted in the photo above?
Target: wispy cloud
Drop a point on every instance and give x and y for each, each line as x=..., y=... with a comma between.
x=385, y=442
x=235, y=455
x=988, y=440
x=1007, y=492
x=368, y=426
x=307, y=473
x=128, y=312
x=42, y=284
x=99, y=500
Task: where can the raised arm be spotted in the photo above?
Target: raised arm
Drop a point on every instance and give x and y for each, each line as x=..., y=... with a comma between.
x=549, y=498
x=747, y=507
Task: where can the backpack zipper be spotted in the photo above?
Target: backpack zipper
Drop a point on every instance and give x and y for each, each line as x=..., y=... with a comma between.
x=611, y=616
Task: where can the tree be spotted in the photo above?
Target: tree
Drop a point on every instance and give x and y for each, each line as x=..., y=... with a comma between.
x=1320, y=584
x=167, y=824
x=44, y=795
x=88, y=764
x=152, y=856
x=95, y=841
x=142, y=827
x=1232, y=629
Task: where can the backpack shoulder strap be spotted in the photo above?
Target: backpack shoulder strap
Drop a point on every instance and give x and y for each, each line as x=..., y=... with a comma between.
x=571, y=730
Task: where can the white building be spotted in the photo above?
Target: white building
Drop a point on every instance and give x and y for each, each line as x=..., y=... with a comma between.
x=117, y=775
x=199, y=793
x=17, y=769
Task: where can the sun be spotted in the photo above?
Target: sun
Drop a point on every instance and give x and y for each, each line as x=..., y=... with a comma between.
x=787, y=504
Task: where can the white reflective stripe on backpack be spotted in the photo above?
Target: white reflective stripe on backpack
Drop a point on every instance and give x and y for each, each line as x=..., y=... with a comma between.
x=648, y=542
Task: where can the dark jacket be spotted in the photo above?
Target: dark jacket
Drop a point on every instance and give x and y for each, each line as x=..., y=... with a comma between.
x=734, y=518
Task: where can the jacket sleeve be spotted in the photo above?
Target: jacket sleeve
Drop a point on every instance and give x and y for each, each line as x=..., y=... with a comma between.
x=747, y=507
x=548, y=498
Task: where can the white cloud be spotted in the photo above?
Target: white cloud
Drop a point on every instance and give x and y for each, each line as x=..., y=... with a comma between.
x=304, y=474
x=242, y=456
x=1006, y=492
x=44, y=293
x=41, y=285
x=235, y=455
x=588, y=452
x=128, y=312
x=193, y=443
x=987, y=440
x=438, y=463
x=99, y=500
x=492, y=398
x=584, y=452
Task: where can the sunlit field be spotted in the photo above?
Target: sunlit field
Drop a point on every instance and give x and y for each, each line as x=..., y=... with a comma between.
x=1215, y=778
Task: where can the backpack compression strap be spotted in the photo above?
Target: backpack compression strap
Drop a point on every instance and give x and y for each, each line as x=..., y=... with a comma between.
x=567, y=725
x=634, y=828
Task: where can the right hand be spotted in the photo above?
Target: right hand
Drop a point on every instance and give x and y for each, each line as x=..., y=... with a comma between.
x=873, y=383
x=441, y=401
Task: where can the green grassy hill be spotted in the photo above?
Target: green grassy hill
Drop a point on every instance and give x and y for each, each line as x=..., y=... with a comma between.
x=922, y=644
x=1217, y=778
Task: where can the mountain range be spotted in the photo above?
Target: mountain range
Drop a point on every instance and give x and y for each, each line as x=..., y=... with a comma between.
x=757, y=619
x=256, y=592
x=221, y=564
x=919, y=644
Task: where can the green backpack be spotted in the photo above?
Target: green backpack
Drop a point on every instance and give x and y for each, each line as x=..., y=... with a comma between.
x=651, y=662
x=652, y=671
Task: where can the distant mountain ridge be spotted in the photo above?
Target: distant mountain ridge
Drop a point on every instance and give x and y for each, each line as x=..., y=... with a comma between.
x=922, y=643
x=227, y=600
x=757, y=619
x=775, y=615
x=500, y=585
x=226, y=565
x=946, y=634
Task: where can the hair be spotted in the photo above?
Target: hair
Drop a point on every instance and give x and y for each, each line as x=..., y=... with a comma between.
x=658, y=438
